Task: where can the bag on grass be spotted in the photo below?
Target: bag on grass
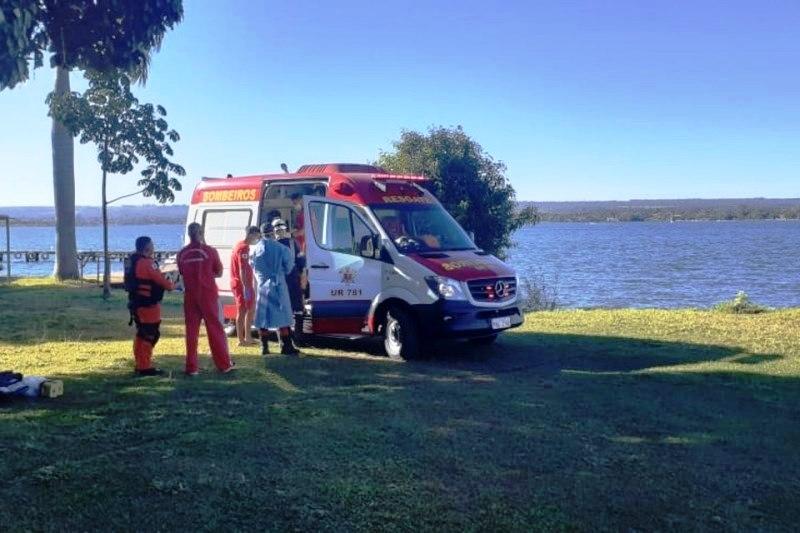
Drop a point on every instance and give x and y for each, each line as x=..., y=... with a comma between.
x=33, y=386
x=11, y=383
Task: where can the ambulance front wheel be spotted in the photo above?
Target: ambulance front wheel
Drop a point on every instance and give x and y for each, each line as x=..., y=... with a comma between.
x=400, y=335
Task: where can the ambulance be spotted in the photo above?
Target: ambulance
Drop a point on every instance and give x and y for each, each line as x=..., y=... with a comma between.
x=383, y=257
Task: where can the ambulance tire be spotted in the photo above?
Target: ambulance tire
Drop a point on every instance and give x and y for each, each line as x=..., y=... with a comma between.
x=483, y=341
x=401, y=335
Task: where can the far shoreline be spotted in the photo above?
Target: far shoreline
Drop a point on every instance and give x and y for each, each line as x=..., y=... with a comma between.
x=50, y=225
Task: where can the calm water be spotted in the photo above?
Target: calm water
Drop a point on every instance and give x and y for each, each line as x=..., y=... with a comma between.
x=686, y=264
x=120, y=238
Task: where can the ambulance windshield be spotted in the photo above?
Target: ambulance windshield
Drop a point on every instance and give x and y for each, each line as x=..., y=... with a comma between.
x=421, y=228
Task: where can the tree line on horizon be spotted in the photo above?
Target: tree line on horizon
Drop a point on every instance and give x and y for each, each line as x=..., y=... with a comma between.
x=546, y=211
x=611, y=213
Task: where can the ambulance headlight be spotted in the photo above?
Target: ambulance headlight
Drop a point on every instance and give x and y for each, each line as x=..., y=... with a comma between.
x=446, y=288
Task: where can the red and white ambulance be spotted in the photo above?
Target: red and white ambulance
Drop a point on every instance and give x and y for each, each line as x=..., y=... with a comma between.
x=383, y=257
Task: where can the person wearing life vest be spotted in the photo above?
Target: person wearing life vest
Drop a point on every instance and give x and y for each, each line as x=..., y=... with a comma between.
x=272, y=261
x=199, y=265
x=243, y=286
x=145, y=285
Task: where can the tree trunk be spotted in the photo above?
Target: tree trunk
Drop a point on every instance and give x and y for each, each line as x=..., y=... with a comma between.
x=64, y=191
x=106, y=259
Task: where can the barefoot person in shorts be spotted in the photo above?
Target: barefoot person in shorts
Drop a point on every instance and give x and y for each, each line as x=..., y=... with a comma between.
x=243, y=285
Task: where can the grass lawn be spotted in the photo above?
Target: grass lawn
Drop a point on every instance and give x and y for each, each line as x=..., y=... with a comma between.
x=579, y=420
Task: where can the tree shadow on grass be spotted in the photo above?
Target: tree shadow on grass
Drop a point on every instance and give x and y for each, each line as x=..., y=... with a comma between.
x=559, y=352
x=615, y=428
x=539, y=431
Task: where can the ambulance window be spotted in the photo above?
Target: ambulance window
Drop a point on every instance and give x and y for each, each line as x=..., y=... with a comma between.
x=337, y=228
x=341, y=230
x=360, y=230
x=281, y=191
x=317, y=214
x=223, y=229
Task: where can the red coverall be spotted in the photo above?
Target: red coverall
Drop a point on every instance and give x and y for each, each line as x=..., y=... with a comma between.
x=148, y=318
x=299, y=226
x=242, y=272
x=199, y=265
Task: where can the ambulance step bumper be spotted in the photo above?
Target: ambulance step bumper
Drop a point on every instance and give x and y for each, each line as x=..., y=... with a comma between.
x=450, y=319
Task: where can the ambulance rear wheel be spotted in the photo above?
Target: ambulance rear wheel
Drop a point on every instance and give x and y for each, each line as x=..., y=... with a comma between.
x=400, y=335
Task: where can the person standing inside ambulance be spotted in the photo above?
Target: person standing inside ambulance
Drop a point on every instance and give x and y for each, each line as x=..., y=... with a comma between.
x=199, y=265
x=146, y=285
x=243, y=285
x=272, y=261
x=299, y=232
x=283, y=236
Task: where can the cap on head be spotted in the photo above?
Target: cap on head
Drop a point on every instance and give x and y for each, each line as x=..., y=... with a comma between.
x=279, y=224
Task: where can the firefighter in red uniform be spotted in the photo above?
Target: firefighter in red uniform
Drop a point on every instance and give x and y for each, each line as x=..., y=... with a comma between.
x=145, y=285
x=243, y=285
x=199, y=265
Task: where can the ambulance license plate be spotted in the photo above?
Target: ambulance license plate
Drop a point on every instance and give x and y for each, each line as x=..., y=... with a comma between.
x=501, y=322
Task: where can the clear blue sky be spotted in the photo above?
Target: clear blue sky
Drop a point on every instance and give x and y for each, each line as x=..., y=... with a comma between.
x=583, y=100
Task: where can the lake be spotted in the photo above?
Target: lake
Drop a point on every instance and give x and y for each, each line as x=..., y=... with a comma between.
x=685, y=264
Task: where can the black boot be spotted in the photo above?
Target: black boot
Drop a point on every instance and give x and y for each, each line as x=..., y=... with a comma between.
x=287, y=348
x=296, y=341
x=264, y=342
x=297, y=335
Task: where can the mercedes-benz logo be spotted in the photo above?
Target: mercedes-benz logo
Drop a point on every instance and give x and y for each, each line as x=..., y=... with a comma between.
x=501, y=289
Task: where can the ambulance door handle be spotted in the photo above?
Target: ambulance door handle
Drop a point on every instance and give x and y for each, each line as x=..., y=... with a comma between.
x=320, y=265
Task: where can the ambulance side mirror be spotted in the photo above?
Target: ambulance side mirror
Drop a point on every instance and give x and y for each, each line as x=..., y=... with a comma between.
x=366, y=248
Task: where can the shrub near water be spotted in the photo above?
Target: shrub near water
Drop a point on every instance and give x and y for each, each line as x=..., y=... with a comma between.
x=740, y=305
x=538, y=294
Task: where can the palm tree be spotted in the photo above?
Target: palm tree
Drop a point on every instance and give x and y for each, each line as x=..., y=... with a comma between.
x=66, y=266
x=84, y=35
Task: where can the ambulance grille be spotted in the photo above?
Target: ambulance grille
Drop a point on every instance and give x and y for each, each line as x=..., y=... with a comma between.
x=493, y=289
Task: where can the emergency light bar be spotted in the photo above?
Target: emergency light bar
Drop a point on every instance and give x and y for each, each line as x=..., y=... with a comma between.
x=398, y=178
x=342, y=168
x=381, y=183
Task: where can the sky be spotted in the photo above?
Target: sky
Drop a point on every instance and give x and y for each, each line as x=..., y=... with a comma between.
x=583, y=100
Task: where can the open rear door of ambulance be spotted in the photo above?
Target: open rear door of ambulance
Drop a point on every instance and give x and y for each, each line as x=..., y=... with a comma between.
x=342, y=281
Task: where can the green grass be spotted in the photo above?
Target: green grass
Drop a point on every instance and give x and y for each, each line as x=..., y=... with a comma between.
x=579, y=420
